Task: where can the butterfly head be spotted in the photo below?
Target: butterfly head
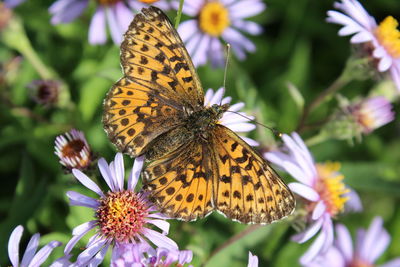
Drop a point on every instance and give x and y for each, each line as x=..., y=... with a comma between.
x=219, y=110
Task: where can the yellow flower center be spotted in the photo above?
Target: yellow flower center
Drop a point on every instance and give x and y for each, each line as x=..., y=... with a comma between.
x=213, y=18
x=331, y=188
x=121, y=215
x=389, y=36
x=108, y=2
x=148, y=1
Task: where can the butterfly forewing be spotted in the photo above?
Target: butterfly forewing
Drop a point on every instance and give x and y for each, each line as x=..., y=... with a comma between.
x=134, y=114
x=247, y=189
x=153, y=51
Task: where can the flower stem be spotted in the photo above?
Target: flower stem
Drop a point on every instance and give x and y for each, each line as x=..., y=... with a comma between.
x=15, y=37
x=316, y=139
x=233, y=239
x=179, y=14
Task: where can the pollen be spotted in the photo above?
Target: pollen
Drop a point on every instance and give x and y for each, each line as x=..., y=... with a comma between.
x=214, y=18
x=389, y=36
x=121, y=215
x=331, y=188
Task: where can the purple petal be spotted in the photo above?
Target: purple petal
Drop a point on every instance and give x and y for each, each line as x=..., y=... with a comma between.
x=354, y=203
x=44, y=253
x=115, y=28
x=13, y=245
x=200, y=54
x=67, y=12
x=395, y=73
x=77, y=199
x=106, y=174
x=97, y=28
x=244, y=9
x=187, y=29
x=119, y=171
x=248, y=26
x=308, y=233
x=13, y=3
x=135, y=172
x=90, y=252
x=240, y=127
x=319, y=209
x=385, y=63
x=30, y=250
x=163, y=225
x=253, y=260
x=160, y=240
x=83, y=179
x=344, y=242
x=372, y=238
x=393, y=263
x=314, y=249
x=217, y=97
x=304, y=191
x=185, y=256
x=250, y=141
x=98, y=258
x=124, y=15
x=78, y=233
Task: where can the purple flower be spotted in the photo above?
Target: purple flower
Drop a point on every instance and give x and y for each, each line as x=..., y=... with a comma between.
x=370, y=244
x=139, y=4
x=13, y=3
x=253, y=260
x=214, y=21
x=231, y=118
x=321, y=187
x=31, y=257
x=372, y=113
x=116, y=14
x=122, y=216
x=383, y=40
x=142, y=255
x=73, y=150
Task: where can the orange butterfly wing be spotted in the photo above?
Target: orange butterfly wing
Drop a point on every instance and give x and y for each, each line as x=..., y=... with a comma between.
x=246, y=188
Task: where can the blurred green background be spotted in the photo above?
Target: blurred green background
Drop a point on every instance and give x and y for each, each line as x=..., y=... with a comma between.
x=297, y=46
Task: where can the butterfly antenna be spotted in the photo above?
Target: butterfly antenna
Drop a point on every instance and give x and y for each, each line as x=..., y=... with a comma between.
x=273, y=130
x=228, y=51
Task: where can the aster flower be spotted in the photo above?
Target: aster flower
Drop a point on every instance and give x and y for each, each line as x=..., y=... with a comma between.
x=372, y=113
x=383, y=39
x=115, y=13
x=253, y=260
x=139, y=4
x=122, y=216
x=322, y=187
x=218, y=20
x=234, y=121
x=370, y=244
x=31, y=257
x=13, y=3
x=44, y=92
x=73, y=150
x=144, y=255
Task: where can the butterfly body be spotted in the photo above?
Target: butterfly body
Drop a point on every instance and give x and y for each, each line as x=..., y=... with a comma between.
x=194, y=164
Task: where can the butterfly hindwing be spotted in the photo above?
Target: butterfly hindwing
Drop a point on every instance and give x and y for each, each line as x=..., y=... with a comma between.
x=181, y=183
x=153, y=51
x=247, y=189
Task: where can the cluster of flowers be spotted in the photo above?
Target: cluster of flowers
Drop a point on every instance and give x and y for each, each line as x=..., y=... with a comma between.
x=212, y=21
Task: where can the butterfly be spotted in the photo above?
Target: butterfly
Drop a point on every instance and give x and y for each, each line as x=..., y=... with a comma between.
x=194, y=164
